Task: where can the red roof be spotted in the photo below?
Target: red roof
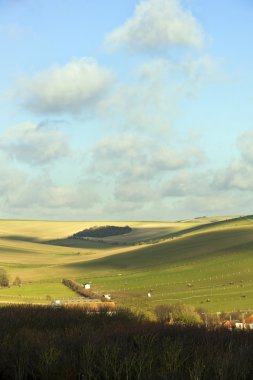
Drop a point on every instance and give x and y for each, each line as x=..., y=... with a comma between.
x=249, y=319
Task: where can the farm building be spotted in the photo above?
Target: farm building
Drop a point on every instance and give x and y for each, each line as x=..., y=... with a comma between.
x=57, y=303
x=228, y=324
x=87, y=286
x=240, y=325
x=249, y=319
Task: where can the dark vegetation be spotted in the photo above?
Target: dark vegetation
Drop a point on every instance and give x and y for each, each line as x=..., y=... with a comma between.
x=80, y=289
x=101, y=232
x=45, y=343
x=17, y=281
x=4, y=280
x=179, y=314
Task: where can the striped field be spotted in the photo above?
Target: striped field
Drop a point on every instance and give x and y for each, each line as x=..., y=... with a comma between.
x=205, y=262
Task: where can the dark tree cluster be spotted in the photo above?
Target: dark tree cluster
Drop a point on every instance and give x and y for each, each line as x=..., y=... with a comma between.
x=101, y=232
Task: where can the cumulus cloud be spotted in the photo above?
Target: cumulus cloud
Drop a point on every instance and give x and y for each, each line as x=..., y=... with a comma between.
x=42, y=192
x=152, y=99
x=186, y=183
x=238, y=174
x=34, y=144
x=11, y=178
x=29, y=196
x=134, y=167
x=157, y=25
x=70, y=89
x=245, y=143
x=215, y=203
x=137, y=192
x=147, y=103
x=137, y=157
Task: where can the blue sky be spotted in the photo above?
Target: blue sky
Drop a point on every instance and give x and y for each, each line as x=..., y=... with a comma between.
x=131, y=110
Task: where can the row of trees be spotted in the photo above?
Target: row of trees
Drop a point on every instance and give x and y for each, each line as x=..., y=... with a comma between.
x=80, y=289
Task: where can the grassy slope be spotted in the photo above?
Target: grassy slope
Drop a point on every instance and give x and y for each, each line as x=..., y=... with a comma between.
x=215, y=259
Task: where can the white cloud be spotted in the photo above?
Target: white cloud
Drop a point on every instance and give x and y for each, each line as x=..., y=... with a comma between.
x=69, y=89
x=157, y=25
x=151, y=101
x=245, y=143
x=137, y=191
x=31, y=196
x=133, y=168
x=187, y=183
x=215, y=203
x=11, y=178
x=146, y=104
x=238, y=174
x=34, y=144
x=137, y=157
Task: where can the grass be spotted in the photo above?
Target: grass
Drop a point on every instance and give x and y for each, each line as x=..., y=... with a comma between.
x=206, y=262
x=37, y=292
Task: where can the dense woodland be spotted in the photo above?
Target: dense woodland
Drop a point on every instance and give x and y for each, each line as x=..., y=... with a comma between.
x=47, y=343
x=101, y=232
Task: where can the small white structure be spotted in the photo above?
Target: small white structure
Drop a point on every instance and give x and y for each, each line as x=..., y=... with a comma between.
x=107, y=297
x=57, y=303
x=86, y=286
x=149, y=295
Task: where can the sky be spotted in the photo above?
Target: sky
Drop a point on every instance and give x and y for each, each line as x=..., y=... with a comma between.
x=126, y=110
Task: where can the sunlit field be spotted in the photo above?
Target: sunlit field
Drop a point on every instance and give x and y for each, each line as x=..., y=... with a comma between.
x=205, y=262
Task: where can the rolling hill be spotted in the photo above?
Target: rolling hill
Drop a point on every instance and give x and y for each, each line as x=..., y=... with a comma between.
x=206, y=262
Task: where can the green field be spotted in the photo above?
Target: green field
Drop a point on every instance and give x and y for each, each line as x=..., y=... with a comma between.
x=206, y=262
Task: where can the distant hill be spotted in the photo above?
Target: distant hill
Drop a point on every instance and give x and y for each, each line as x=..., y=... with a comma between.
x=206, y=262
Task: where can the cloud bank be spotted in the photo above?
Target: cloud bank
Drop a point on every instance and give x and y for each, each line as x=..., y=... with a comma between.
x=34, y=144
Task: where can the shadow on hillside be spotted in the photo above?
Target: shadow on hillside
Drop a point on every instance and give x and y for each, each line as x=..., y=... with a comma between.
x=177, y=251
x=74, y=243
x=82, y=243
x=21, y=238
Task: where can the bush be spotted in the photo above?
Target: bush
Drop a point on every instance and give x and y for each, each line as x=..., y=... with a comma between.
x=17, y=281
x=4, y=280
x=163, y=313
x=179, y=314
x=186, y=314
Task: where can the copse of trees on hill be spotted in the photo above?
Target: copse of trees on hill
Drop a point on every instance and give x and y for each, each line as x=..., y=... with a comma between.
x=101, y=232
